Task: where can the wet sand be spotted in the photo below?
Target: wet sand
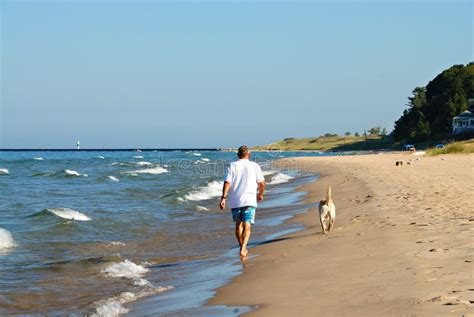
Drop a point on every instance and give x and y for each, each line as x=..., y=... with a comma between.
x=403, y=243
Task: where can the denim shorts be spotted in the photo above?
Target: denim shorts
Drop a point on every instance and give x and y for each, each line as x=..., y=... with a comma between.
x=244, y=214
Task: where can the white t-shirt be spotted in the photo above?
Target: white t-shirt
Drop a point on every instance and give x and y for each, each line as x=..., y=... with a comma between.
x=243, y=176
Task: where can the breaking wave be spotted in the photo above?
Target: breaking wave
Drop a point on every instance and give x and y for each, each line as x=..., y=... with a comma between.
x=6, y=239
x=142, y=163
x=280, y=178
x=113, y=306
x=154, y=170
x=127, y=269
x=268, y=173
x=71, y=172
x=113, y=178
x=122, y=164
x=211, y=190
x=61, y=173
x=4, y=171
x=66, y=213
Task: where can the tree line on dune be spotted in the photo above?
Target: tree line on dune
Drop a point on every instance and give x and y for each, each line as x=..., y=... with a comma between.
x=432, y=108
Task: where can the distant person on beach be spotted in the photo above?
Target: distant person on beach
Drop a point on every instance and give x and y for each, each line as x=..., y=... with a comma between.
x=240, y=187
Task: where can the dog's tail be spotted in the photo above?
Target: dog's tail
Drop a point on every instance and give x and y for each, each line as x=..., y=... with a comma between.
x=328, y=196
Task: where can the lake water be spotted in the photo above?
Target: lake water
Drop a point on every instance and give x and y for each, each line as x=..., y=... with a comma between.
x=137, y=233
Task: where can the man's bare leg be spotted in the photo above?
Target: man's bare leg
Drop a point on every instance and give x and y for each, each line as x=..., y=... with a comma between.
x=246, y=237
x=239, y=229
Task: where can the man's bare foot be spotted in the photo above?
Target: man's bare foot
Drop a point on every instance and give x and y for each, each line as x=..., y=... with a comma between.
x=244, y=252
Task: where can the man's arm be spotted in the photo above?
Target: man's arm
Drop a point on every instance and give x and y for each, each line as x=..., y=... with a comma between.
x=261, y=189
x=225, y=190
x=261, y=182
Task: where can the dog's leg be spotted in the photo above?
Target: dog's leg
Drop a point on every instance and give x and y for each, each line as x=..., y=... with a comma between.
x=323, y=226
x=331, y=224
x=321, y=218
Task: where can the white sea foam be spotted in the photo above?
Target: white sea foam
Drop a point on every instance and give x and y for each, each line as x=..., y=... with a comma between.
x=154, y=170
x=113, y=307
x=211, y=190
x=110, y=308
x=126, y=269
x=197, y=154
x=6, y=239
x=201, y=208
x=101, y=157
x=268, y=173
x=117, y=243
x=113, y=178
x=280, y=178
x=205, y=159
x=67, y=213
x=141, y=282
x=4, y=171
x=71, y=172
x=38, y=158
x=138, y=156
x=143, y=163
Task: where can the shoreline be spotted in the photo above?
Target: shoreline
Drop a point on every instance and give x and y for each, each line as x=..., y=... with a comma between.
x=391, y=251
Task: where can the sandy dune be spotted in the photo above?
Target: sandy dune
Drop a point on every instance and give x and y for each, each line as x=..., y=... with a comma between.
x=403, y=243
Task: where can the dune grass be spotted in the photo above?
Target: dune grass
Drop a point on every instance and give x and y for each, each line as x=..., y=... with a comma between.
x=329, y=143
x=462, y=147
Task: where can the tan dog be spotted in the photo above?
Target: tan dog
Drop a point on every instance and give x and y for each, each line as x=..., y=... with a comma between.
x=327, y=212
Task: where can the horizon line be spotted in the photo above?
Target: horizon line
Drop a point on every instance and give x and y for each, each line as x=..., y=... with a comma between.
x=108, y=149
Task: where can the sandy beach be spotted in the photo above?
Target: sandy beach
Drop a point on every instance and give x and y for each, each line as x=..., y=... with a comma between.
x=402, y=246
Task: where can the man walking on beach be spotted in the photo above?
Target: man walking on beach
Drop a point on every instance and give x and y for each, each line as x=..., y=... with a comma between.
x=240, y=185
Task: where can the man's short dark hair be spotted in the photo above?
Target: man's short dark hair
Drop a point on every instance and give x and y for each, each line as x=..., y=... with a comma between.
x=243, y=151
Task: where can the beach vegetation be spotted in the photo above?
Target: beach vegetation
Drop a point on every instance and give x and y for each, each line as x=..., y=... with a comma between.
x=331, y=142
x=462, y=147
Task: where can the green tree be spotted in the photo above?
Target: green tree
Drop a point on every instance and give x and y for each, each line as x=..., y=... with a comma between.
x=431, y=110
x=375, y=130
x=347, y=133
x=406, y=126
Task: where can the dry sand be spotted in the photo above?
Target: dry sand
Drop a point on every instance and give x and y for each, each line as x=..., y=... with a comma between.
x=402, y=246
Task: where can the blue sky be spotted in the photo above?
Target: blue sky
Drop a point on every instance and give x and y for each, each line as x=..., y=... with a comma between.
x=221, y=73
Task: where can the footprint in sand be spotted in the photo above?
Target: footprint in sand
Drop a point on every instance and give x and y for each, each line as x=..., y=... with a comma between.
x=431, y=279
x=456, y=297
x=434, y=253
